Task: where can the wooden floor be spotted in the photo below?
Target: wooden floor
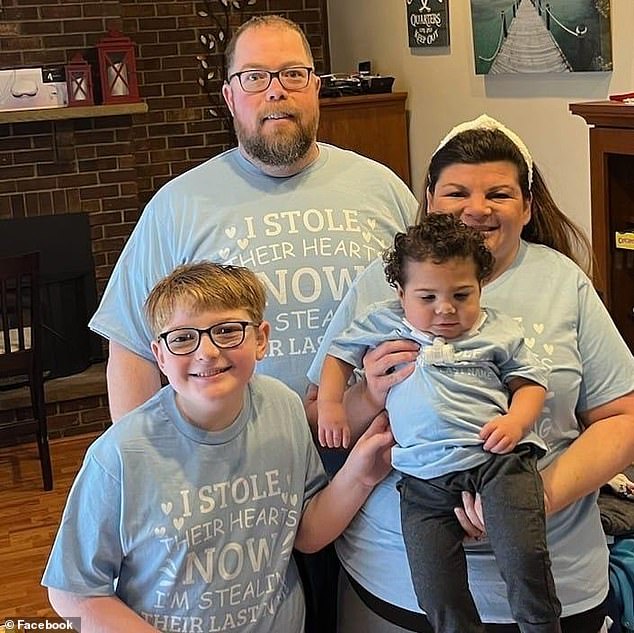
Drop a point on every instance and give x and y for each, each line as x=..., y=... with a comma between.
x=29, y=519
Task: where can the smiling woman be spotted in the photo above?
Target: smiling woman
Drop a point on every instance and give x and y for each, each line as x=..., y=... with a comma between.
x=481, y=174
x=502, y=185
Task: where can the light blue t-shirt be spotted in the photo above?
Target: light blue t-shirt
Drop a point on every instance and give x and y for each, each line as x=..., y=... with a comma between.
x=568, y=328
x=437, y=413
x=192, y=529
x=307, y=236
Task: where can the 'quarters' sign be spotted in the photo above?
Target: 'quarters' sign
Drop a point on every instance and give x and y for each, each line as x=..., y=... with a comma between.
x=428, y=23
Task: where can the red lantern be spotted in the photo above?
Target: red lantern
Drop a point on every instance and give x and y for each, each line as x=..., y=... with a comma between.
x=79, y=82
x=117, y=69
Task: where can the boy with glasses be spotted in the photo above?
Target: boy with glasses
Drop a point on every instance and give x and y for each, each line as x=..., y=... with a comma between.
x=185, y=513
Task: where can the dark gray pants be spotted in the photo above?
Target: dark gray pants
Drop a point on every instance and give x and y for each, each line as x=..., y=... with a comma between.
x=513, y=504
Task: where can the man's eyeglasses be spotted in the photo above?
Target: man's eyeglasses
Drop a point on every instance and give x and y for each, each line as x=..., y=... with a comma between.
x=257, y=80
x=186, y=340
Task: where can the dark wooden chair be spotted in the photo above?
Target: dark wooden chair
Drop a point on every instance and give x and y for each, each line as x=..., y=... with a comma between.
x=21, y=340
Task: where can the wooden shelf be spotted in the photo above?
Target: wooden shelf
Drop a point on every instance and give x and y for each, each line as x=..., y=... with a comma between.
x=605, y=113
x=72, y=112
x=367, y=100
x=374, y=125
x=612, y=194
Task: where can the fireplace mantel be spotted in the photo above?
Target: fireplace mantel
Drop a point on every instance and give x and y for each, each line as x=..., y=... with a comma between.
x=72, y=112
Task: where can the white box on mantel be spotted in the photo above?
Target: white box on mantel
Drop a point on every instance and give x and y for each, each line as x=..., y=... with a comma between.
x=32, y=88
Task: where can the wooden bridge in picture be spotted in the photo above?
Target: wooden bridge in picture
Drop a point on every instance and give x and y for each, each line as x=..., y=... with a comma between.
x=527, y=45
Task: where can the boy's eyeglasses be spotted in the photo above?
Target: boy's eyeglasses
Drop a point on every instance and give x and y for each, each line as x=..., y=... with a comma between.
x=185, y=340
x=258, y=80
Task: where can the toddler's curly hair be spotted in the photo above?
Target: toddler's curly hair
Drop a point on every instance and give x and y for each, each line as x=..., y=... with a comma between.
x=438, y=237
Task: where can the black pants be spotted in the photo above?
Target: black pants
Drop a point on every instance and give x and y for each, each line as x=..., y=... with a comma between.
x=513, y=503
x=319, y=573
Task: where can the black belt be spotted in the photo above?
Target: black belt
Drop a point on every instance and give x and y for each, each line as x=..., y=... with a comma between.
x=589, y=621
x=404, y=618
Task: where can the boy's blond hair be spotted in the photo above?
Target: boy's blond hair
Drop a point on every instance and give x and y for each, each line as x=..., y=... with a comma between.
x=205, y=286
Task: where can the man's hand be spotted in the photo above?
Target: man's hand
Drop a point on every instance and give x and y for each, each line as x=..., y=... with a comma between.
x=333, y=428
x=501, y=434
x=380, y=365
x=131, y=378
x=370, y=459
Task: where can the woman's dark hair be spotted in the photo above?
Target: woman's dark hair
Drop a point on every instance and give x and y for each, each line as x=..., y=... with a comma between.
x=438, y=237
x=548, y=224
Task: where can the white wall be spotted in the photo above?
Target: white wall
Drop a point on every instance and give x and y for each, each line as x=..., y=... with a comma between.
x=444, y=90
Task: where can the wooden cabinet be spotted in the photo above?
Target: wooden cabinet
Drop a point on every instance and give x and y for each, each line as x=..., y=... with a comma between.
x=612, y=195
x=372, y=125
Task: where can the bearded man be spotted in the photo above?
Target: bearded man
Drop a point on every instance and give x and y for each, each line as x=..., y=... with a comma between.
x=307, y=217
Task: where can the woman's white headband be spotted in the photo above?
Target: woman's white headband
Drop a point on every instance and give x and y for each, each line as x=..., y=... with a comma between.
x=485, y=122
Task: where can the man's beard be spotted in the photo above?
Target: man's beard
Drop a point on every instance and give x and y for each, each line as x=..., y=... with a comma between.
x=282, y=149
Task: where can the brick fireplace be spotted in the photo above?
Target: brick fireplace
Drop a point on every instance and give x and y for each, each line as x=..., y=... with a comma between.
x=109, y=166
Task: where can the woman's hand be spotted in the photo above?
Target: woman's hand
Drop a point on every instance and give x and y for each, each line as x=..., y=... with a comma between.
x=470, y=516
x=380, y=375
x=385, y=366
x=604, y=449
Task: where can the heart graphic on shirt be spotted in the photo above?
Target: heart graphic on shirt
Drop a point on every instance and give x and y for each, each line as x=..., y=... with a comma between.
x=243, y=243
x=372, y=224
x=159, y=531
x=178, y=522
x=168, y=570
x=549, y=349
x=284, y=496
x=530, y=342
x=230, y=232
x=166, y=507
x=224, y=253
x=538, y=327
x=367, y=236
x=287, y=544
x=294, y=499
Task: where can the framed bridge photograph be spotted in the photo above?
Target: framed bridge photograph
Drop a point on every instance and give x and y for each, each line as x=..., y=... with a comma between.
x=541, y=36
